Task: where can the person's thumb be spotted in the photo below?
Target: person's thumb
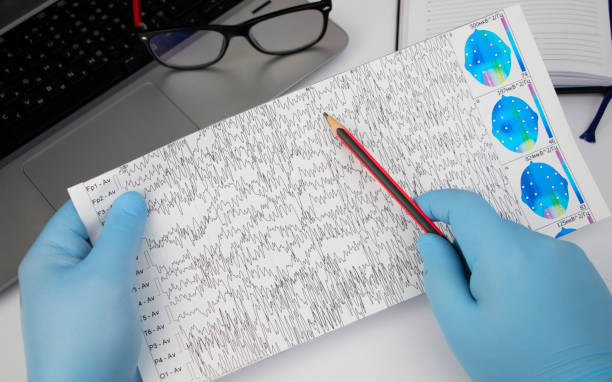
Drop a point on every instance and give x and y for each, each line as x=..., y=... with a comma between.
x=117, y=247
x=444, y=278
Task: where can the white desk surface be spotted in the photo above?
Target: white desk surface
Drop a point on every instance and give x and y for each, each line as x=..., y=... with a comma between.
x=403, y=343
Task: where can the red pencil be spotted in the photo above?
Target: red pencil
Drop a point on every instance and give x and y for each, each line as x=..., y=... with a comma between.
x=382, y=176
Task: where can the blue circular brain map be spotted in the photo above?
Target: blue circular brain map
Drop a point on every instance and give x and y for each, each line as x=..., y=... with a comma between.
x=544, y=190
x=515, y=124
x=487, y=58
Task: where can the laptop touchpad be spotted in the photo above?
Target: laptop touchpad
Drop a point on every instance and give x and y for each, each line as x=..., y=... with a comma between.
x=135, y=125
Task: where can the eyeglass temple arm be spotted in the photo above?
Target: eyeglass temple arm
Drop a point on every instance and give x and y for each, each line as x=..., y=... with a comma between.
x=136, y=12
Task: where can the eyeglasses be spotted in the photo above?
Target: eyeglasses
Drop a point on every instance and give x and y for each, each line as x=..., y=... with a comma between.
x=200, y=46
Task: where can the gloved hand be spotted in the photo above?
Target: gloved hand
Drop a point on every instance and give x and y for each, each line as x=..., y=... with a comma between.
x=534, y=307
x=79, y=316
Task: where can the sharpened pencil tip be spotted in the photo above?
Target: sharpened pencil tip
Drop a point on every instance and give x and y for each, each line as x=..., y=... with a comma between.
x=335, y=125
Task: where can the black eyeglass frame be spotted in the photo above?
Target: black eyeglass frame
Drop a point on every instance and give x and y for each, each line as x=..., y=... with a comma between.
x=242, y=29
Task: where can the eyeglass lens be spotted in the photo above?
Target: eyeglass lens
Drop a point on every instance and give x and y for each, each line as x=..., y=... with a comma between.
x=288, y=32
x=187, y=48
x=278, y=35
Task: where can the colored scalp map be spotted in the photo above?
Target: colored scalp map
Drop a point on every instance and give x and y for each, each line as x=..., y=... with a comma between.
x=544, y=190
x=264, y=232
x=515, y=124
x=487, y=58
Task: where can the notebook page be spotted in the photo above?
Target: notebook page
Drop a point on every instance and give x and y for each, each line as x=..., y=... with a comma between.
x=572, y=36
x=264, y=232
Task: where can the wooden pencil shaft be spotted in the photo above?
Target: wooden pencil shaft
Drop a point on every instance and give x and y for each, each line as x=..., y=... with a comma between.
x=387, y=183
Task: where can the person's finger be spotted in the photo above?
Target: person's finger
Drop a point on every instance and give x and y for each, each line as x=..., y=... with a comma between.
x=119, y=242
x=475, y=224
x=63, y=235
x=444, y=278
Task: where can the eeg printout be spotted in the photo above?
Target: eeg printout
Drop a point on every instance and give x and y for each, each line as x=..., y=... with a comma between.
x=264, y=232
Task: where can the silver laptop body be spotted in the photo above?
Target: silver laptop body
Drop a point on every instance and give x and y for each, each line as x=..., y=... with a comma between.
x=146, y=110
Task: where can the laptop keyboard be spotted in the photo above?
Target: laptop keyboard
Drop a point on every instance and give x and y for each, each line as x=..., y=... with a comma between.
x=66, y=55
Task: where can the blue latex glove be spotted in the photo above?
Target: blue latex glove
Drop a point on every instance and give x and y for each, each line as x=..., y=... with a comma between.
x=534, y=307
x=79, y=316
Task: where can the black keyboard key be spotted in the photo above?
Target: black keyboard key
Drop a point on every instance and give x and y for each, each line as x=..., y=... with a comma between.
x=94, y=63
x=192, y=18
x=74, y=5
x=113, y=50
x=210, y=8
x=7, y=94
x=11, y=54
x=92, y=20
x=78, y=51
x=58, y=37
x=55, y=18
x=10, y=116
x=179, y=7
x=9, y=72
x=33, y=58
x=99, y=37
x=40, y=16
x=130, y=62
x=83, y=30
x=78, y=24
x=76, y=73
x=122, y=47
x=101, y=57
x=7, y=56
x=123, y=27
x=32, y=37
x=69, y=57
x=111, y=7
x=32, y=101
x=50, y=44
x=109, y=30
x=19, y=70
x=53, y=88
x=104, y=18
x=90, y=43
x=28, y=82
x=50, y=67
x=135, y=61
x=50, y=30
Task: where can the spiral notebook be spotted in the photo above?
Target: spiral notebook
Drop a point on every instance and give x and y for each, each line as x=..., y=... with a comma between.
x=263, y=232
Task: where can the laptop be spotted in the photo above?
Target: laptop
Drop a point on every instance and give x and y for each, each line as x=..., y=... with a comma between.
x=80, y=95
